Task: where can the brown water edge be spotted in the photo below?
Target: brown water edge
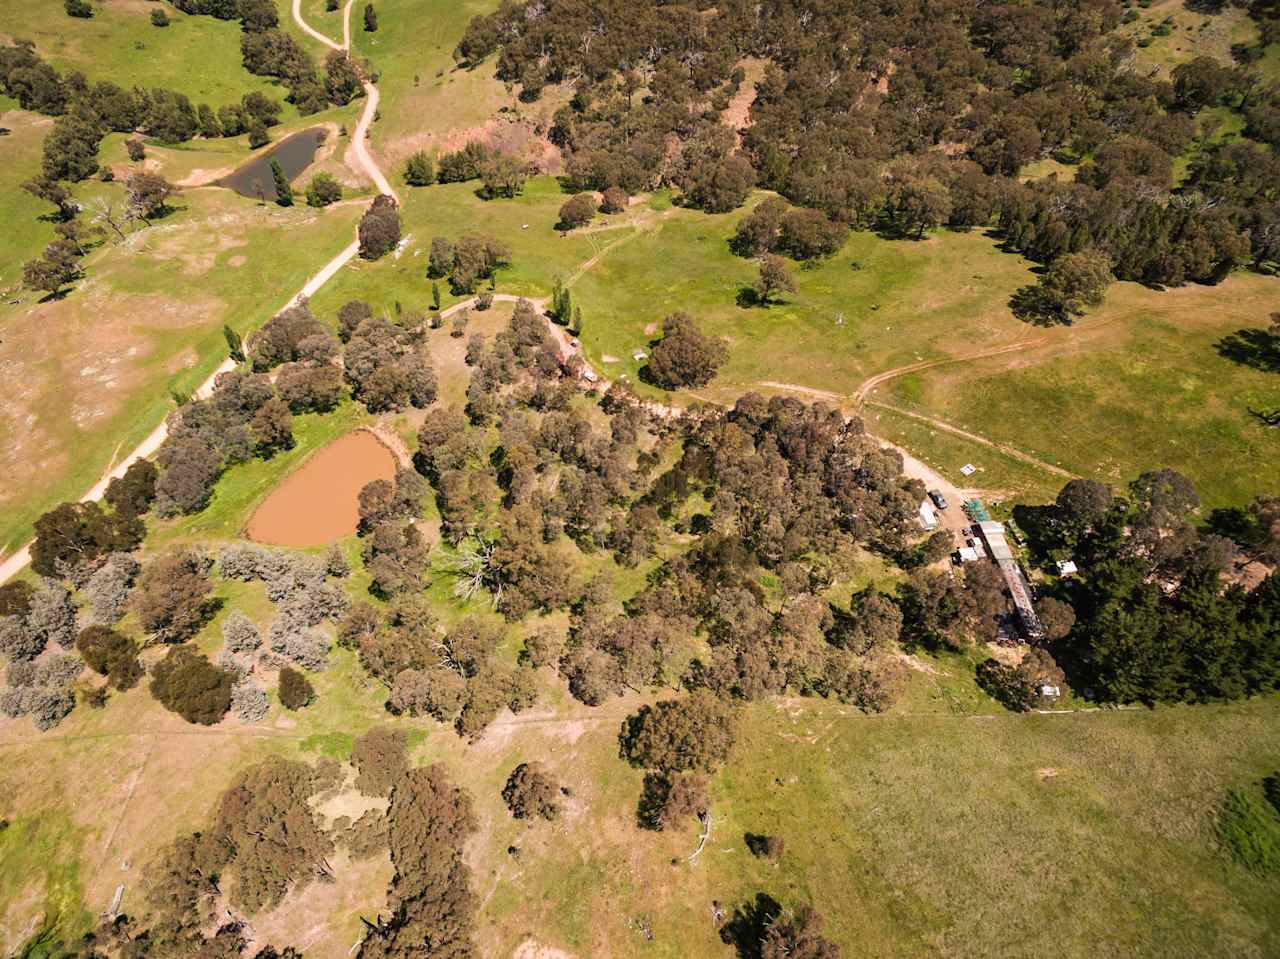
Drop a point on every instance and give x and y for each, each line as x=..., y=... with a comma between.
x=319, y=503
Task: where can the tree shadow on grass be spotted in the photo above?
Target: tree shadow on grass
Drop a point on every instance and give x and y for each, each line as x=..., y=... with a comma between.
x=745, y=930
x=1256, y=348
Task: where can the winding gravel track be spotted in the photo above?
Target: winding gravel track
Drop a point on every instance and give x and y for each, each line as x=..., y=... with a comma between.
x=12, y=565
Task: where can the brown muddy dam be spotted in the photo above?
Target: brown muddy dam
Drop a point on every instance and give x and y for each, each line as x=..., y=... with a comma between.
x=320, y=502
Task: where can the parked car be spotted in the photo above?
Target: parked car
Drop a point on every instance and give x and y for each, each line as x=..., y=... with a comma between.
x=939, y=500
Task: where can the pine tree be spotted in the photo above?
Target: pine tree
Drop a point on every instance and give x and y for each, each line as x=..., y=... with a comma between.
x=435, y=296
x=284, y=192
x=235, y=345
x=370, y=19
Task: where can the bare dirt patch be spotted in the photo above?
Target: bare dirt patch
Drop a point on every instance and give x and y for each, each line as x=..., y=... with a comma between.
x=519, y=137
x=319, y=503
x=532, y=949
x=737, y=116
x=919, y=665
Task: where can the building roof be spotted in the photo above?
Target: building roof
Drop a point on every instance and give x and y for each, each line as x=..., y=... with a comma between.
x=993, y=533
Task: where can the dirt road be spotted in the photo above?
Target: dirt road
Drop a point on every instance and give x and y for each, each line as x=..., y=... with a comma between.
x=12, y=565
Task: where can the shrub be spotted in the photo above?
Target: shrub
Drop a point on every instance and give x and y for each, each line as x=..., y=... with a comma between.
x=295, y=690
x=323, y=190
x=248, y=701
x=530, y=792
x=239, y=634
x=136, y=149
x=78, y=8
x=185, y=682
x=159, y=18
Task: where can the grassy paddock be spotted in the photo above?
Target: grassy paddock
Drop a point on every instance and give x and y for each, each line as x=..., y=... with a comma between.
x=1135, y=385
x=412, y=51
x=198, y=56
x=98, y=365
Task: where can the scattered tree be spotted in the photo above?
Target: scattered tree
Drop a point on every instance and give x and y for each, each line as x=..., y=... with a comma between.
x=684, y=357
x=185, y=682
x=531, y=792
x=774, y=278
x=380, y=226
x=295, y=690
x=577, y=211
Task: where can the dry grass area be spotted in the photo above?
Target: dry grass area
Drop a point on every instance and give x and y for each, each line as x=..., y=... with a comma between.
x=1193, y=33
x=71, y=366
x=922, y=832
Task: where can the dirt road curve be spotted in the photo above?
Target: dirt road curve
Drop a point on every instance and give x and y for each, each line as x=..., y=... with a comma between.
x=12, y=565
x=359, y=146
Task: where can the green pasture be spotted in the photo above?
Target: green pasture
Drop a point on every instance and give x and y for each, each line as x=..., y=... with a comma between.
x=1138, y=384
x=195, y=55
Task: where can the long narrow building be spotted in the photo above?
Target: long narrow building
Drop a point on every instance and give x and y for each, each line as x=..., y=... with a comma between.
x=1019, y=588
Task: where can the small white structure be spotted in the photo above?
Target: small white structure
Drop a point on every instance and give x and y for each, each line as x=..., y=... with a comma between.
x=968, y=554
x=928, y=518
x=589, y=375
x=1067, y=567
x=639, y=355
x=1048, y=690
x=968, y=469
